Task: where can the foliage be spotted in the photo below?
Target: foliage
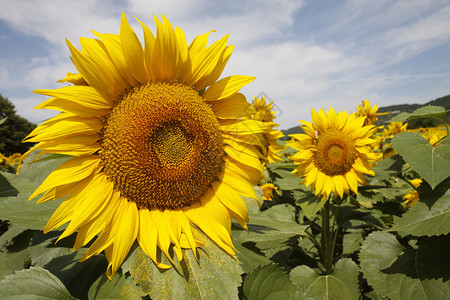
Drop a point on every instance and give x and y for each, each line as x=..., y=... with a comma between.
x=13, y=129
x=297, y=246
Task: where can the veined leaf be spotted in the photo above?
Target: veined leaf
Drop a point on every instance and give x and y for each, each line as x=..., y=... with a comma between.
x=119, y=287
x=268, y=282
x=15, y=190
x=274, y=227
x=34, y=283
x=341, y=284
x=25, y=213
x=309, y=203
x=422, y=272
x=431, y=163
x=430, y=216
x=423, y=112
x=214, y=275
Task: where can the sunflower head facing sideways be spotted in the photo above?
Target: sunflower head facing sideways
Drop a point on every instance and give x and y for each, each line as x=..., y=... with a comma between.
x=371, y=113
x=264, y=112
x=334, y=153
x=160, y=146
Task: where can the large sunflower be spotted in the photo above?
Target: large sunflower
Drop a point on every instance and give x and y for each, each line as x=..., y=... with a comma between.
x=334, y=154
x=160, y=146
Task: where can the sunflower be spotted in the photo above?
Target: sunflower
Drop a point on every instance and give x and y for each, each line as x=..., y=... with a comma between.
x=388, y=133
x=264, y=112
x=160, y=146
x=413, y=196
x=371, y=114
x=268, y=189
x=334, y=153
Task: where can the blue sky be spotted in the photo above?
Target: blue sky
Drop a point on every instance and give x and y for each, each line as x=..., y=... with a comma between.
x=304, y=54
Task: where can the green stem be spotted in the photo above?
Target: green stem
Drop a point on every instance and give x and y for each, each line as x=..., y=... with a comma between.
x=446, y=126
x=325, y=239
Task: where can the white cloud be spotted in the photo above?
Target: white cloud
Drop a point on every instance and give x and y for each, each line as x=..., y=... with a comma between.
x=346, y=57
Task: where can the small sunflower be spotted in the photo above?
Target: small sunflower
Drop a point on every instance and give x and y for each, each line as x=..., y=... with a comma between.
x=413, y=196
x=371, y=114
x=268, y=189
x=264, y=112
x=160, y=145
x=388, y=133
x=334, y=153
x=434, y=135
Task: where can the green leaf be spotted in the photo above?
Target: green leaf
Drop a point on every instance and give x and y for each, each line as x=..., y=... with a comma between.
x=422, y=272
x=3, y=120
x=268, y=282
x=431, y=163
x=248, y=254
x=5, y=267
x=78, y=276
x=28, y=214
x=12, y=232
x=423, y=112
x=309, y=203
x=378, y=251
x=341, y=284
x=33, y=283
x=274, y=227
x=430, y=216
x=214, y=275
x=388, y=167
x=352, y=241
x=14, y=204
x=287, y=181
x=119, y=287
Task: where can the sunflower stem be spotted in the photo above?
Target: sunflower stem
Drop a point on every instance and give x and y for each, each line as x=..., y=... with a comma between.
x=326, y=239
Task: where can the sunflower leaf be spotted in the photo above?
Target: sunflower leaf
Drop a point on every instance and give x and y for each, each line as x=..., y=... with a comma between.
x=25, y=213
x=249, y=255
x=423, y=272
x=274, y=227
x=119, y=287
x=214, y=275
x=341, y=284
x=78, y=276
x=33, y=283
x=430, y=216
x=423, y=112
x=431, y=163
x=268, y=282
x=309, y=203
x=15, y=190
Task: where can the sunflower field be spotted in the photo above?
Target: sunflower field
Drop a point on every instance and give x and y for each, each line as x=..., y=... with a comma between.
x=158, y=179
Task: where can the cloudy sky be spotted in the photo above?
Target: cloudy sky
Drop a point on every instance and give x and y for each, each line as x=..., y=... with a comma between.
x=312, y=53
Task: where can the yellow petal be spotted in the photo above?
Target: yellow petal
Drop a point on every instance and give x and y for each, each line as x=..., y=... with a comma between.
x=148, y=236
x=166, y=56
x=97, y=52
x=226, y=87
x=68, y=127
x=230, y=199
x=128, y=224
x=73, y=170
x=231, y=108
x=149, y=42
x=93, y=73
x=113, y=45
x=132, y=51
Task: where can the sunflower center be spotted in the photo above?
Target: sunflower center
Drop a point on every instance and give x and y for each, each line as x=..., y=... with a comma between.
x=335, y=153
x=162, y=146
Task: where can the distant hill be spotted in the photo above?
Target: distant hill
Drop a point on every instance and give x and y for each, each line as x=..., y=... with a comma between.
x=395, y=110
